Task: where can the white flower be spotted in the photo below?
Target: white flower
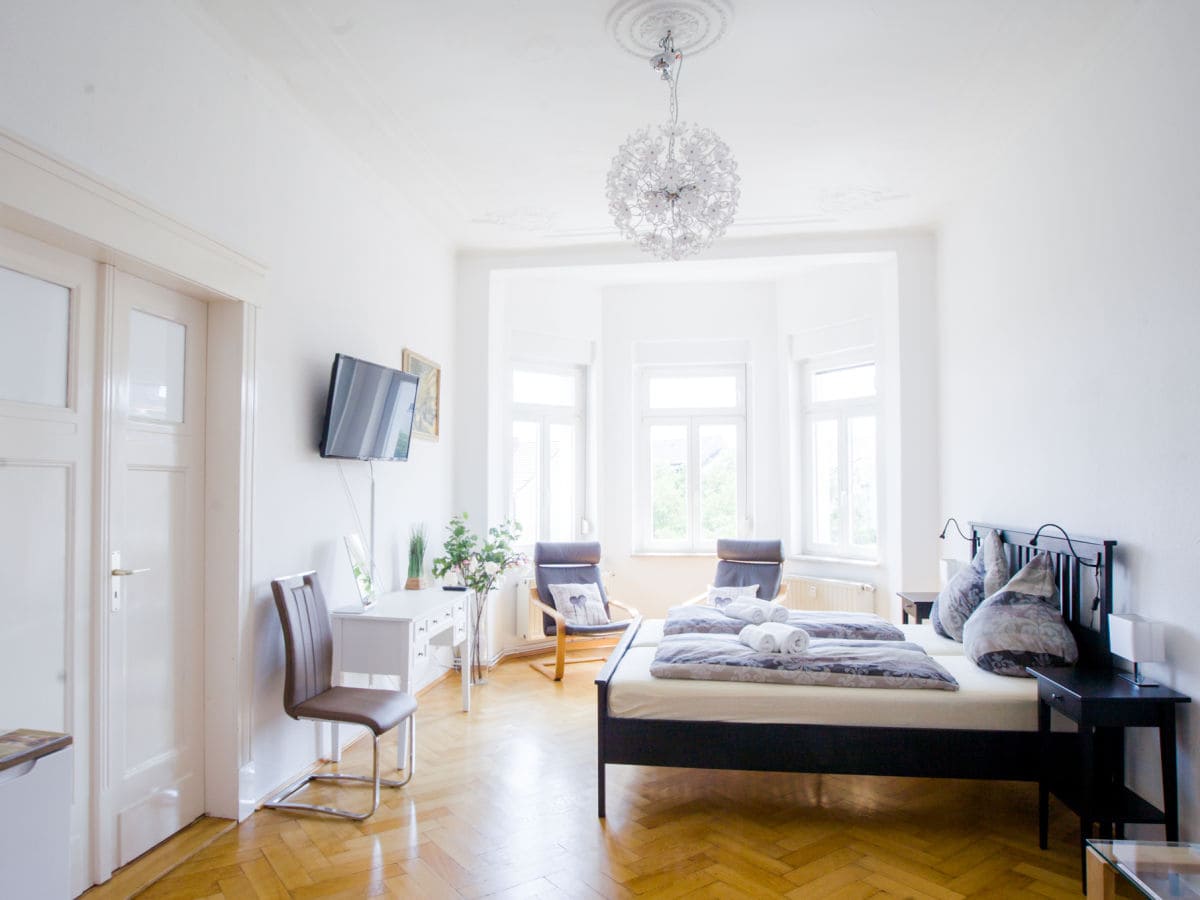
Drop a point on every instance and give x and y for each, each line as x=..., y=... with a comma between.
x=492, y=568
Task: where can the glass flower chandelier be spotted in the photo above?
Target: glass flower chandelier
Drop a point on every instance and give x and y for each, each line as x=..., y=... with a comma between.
x=673, y=188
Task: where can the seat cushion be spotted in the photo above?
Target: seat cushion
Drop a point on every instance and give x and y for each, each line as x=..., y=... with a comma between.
x=378, y=710
x=609, y=628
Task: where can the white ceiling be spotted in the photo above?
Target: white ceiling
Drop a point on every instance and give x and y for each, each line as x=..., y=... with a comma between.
x=501, y=118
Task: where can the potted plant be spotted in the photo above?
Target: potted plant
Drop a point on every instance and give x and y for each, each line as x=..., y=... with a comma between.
x=416, y=559
x=479, y=563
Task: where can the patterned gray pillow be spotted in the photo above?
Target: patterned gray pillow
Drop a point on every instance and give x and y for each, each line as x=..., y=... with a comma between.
x=580, y=604
x=1021, y=625
x=970, y=587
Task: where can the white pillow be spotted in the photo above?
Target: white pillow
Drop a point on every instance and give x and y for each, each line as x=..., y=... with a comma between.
x=580, y=604
x=720, y=597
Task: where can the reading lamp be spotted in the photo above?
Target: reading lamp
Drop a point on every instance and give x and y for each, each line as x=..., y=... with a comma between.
x=1138, y=640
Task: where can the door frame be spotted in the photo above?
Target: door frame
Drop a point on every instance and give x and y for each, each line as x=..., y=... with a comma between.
x=49, y=199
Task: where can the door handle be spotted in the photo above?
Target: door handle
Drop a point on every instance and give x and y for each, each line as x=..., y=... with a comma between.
x=121, y=572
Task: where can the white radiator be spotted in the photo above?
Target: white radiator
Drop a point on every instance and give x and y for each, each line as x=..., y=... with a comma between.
x=799, y=592
x=529, y=620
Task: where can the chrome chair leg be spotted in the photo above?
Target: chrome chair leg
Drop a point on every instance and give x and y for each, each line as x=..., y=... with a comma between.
x=280, y=800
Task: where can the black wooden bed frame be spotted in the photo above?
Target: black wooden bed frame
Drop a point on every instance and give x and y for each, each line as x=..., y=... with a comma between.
x=859, y=750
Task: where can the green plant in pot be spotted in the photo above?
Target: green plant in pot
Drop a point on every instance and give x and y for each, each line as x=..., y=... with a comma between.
x=416, y=559
x=479, y=563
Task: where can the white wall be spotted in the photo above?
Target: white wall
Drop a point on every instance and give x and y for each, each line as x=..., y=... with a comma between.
x=151, y=98
x=1068, y=317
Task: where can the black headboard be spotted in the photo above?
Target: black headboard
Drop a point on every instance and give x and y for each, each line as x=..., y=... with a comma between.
x=1083, y=571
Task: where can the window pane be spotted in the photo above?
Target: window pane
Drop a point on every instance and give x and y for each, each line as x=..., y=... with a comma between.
x=668, y=482
x=561, y=526
x=34, y=339
x=718, y=481
x=526, y=491
x=827, y=526
x=156, y=366
x=543, y=388
x=693, y=391
x=844, y=384
x=864, y=530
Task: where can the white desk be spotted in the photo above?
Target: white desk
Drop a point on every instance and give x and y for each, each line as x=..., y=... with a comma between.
x=393, y=635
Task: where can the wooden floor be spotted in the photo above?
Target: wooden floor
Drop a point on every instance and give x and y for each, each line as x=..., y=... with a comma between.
x=503, y=805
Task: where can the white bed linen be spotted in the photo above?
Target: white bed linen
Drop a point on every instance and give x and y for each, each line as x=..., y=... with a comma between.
x=934, y=643
x=650, y=633
x=984, y=702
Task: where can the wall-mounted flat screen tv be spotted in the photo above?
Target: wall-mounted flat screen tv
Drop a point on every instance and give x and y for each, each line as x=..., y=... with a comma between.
x=369, y=413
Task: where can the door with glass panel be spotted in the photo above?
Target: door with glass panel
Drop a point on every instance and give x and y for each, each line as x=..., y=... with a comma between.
x=155, y=607
x=47, y=339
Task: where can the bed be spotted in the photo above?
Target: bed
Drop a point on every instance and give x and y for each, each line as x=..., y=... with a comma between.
x=987, y=729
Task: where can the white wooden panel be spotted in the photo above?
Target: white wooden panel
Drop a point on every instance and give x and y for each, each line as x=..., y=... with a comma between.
x=155, y=630
x=35, y=339
x=35, y=550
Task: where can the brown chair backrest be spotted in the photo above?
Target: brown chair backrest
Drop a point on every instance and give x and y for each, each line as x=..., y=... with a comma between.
x=307, y=638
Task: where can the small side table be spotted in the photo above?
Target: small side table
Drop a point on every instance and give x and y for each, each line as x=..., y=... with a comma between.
x=916, y=604
x=1156, y=869
x=1103, y=705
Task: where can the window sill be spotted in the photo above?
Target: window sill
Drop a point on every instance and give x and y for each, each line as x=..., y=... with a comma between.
x=667, y=554
x=838, y=560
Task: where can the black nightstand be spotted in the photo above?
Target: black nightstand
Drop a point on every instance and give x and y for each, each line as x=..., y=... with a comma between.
x=1103, y=705
x=916, y=604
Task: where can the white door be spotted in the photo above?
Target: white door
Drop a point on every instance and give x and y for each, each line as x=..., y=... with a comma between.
x=47, y=359
x=156, y=545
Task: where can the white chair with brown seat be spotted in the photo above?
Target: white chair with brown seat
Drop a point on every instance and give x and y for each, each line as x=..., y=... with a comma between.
x=571, y=563
x=308, y=691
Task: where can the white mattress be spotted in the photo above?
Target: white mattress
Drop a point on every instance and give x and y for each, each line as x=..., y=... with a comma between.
x=650, y=633
x=984, y=701
x=934, y=643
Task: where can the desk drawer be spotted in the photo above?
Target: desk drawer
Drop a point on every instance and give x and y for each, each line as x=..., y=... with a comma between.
x=1057, y=699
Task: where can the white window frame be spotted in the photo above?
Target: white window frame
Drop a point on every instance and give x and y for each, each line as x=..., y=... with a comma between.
x=840, y=411
x=546, y=415
x=693, y=419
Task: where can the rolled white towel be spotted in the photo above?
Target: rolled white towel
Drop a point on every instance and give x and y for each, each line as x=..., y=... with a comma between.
x=755, y=611
x=746, y=612
x=756, y=638
x=790, y=640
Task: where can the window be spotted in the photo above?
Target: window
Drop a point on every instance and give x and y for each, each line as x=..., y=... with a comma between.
x=840, y=453
x=548, y=459
x=691, y=457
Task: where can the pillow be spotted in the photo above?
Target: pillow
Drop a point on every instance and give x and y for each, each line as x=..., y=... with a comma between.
x=580, y=604
x=721, y=597
x=970, y=587
x=1021, y=625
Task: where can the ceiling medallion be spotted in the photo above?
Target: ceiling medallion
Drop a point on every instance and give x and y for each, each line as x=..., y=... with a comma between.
x=673, y=188
x=695, y=25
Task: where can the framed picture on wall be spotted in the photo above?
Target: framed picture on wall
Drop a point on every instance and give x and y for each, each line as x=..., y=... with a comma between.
x=429, y=394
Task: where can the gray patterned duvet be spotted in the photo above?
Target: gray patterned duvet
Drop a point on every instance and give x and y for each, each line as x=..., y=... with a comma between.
x=828, y=662
x=818, y=623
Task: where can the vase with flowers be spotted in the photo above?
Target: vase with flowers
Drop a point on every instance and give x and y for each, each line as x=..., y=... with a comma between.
x=479, y=562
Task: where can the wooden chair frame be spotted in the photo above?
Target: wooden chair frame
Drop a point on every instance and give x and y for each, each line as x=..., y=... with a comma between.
x=555, y=668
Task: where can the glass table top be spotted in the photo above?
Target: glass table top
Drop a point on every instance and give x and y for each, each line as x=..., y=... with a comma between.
x=1156, y=868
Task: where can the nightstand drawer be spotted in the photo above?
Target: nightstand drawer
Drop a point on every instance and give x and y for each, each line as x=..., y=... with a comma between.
x=1066, y=704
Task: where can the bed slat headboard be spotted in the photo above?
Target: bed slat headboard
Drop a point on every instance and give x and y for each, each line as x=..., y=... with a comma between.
x=1083, y=571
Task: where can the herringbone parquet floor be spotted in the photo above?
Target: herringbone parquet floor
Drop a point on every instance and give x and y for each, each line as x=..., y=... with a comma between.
x=503, y=805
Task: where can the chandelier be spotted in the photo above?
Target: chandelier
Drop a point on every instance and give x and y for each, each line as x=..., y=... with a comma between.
x=673, y=188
